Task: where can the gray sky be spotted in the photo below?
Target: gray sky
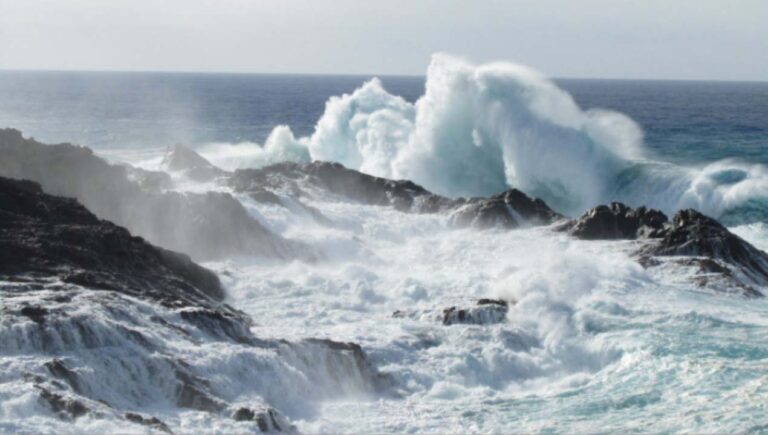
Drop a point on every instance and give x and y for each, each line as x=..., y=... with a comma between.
x=679, y=39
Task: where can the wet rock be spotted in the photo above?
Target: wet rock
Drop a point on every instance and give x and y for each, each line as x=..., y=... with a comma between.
x=204, y=225
x=508, y=209
x=36, y=313
x=60, y=370
x=268, y=420
x=193, y=393
x=151, y=422
x=487, y=312
x=66, y=408
x=220, y=324
x=617, y=221
x=693, y=234
x=51, y=236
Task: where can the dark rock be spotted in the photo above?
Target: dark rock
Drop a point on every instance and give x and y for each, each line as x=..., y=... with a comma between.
x=220, y=324
x=499, y=302
x=618, y=221
x=51, y=236
x=203, y=225
x=695, y=235
x=268, y=420
x=152, y=422
x=190, y=396
x=65, y=407
x=509, y=209
x=487, y=311
x=58, y=369
x=193, y=393
x=36, y=313
x=334, y=178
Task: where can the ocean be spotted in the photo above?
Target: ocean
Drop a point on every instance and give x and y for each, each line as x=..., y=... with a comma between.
x=593, y=341
x=683, y=121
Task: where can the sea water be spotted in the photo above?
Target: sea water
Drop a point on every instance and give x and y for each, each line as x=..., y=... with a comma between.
x=593, y=342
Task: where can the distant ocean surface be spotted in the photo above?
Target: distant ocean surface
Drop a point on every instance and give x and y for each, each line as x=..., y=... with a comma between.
x=684, y=121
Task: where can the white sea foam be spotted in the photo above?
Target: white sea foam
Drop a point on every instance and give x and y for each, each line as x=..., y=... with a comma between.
x=478, y=130
x=592, y=341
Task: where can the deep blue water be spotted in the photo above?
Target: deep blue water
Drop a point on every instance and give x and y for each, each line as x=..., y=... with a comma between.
x=683, y=121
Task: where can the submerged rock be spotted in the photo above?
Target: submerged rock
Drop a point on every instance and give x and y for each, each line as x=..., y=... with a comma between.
x=151, y=422
x=487, y=312
x=66, y=407
x=268, y=420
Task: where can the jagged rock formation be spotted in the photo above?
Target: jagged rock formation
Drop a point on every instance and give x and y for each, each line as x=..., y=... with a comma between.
x=80, y=297
x=690, y=234
x=194, y=166
x=508, y=209
x=206, y=226
x=617, y=221
x=46, y=235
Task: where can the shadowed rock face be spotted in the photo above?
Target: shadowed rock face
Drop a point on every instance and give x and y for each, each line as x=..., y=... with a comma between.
x=696, y=235
x=690, y=234
x=44, y=235
x=508, y=209
x=205, y=226
x=617, y=221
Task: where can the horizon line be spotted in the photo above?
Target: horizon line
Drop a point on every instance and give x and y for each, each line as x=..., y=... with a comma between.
x=327, y=74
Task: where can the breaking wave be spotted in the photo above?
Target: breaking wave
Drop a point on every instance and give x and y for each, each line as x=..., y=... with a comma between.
x=478, y=130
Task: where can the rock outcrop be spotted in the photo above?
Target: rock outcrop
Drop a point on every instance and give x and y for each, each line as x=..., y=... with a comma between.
x=690, y=234
x=508, y=209
x=617, y=221
x=693, y=234
x=206, y=226
x=45, y=236
x=179, y=158
x=486, y=312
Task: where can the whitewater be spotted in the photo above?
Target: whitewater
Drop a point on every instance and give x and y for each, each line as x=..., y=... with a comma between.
x=479, y=130
x=592, y=341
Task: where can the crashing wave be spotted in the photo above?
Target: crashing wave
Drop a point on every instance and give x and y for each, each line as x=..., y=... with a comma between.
x=479, y=130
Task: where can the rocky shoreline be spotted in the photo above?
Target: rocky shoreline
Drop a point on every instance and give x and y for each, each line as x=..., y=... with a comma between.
x=60, y=250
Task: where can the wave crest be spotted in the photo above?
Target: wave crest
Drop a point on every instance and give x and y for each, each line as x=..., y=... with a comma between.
x=479, y=130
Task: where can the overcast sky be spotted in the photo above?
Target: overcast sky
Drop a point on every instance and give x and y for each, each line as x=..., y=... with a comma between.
x=678, y=39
